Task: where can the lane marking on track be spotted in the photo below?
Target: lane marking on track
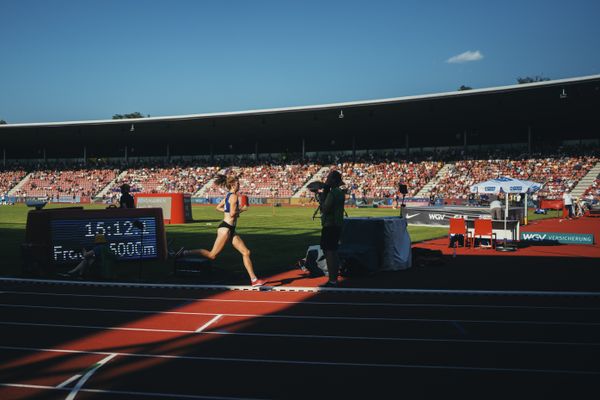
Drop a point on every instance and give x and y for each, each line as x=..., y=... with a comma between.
x=209, y=323
x=304, y=362
x=317, y=317
x=107, y=328
x=88, y=375
x=187, y=300
x=126, y=392
x=313, y=289
x=301, y=336
x=71, y=379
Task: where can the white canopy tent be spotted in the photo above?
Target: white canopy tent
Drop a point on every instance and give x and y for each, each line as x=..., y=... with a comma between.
x=507, y=185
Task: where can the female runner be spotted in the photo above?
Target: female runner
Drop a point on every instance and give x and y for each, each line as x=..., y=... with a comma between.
x=226, y=230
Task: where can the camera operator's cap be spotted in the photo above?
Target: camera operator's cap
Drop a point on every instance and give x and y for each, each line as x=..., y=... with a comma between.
x=334, y=179
x=100, y=239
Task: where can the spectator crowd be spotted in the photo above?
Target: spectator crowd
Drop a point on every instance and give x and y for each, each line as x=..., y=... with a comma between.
x=366, y=175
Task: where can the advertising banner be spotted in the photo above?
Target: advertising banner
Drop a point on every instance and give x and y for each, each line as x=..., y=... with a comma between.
x=441, y=215
x=558, y=237
x=156, y=202
x=200, y=200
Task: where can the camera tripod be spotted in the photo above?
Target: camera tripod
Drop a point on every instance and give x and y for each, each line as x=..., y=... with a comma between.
x=404, y=190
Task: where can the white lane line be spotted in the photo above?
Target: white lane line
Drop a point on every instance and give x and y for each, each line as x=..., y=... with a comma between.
x=310, y=302
x=209, y=323
x=304, y=362
x=310, y=289
x=107, y=328
x=126, y=392
x=88, y=375
x=71, y=379
x=300, y=336
x=317, y=317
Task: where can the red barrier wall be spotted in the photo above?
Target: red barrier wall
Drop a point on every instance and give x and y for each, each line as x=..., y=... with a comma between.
x=554, y=205
x=176, y=207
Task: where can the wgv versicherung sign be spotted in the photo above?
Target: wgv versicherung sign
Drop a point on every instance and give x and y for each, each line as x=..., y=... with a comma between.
x=558, y=237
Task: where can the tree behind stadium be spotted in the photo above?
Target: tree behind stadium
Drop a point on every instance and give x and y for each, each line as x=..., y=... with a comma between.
x=131, y=115
x=529, y=79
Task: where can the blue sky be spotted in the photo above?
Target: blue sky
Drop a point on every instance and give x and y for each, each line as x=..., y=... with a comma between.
x=64, y=60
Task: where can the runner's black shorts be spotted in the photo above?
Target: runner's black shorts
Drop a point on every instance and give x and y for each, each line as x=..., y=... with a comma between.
x=330, y=237
x=230, y=227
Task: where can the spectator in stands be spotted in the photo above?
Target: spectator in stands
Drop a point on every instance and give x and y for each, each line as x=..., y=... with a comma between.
x=126, y=200
x=229, y=206
x=353, y=198
x=472, y=201
x=332, y=220
x=432, y=199
x=90, y=257
x=396, y=201
x=496, y=209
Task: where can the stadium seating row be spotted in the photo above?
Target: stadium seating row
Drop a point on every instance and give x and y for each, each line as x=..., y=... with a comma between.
x=370, y=177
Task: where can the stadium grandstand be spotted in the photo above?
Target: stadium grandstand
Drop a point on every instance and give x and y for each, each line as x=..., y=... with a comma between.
x=547, y=132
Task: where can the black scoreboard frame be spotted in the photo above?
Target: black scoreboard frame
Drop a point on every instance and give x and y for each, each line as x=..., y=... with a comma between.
x=121, y=228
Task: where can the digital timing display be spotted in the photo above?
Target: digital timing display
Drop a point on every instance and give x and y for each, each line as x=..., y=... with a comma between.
x=128, y=238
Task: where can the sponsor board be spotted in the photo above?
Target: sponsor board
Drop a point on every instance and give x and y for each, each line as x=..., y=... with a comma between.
x=156, y=202
x=415, y=202
x=440, y=216
x=558, y=237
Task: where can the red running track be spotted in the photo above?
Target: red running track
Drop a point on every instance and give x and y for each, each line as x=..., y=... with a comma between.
x=71, y=341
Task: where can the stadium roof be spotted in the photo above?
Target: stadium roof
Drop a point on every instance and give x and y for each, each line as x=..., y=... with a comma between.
x=552, y=110
x=470, y=92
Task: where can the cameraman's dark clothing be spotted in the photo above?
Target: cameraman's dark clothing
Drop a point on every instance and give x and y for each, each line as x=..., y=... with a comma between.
x=330, y=237
x=332, y=219
x=332, y=209
x=126, y=201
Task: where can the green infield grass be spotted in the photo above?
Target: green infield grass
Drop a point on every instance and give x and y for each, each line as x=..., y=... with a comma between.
x=277, y=237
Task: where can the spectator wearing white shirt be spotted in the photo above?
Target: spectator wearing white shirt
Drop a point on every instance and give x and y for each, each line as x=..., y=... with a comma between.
x=568, y=201
x=496, y=209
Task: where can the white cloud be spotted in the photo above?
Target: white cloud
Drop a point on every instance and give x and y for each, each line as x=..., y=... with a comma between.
x=465, y=57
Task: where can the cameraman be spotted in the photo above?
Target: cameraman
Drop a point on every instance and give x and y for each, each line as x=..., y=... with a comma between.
x=126, y=200
x=332, y=219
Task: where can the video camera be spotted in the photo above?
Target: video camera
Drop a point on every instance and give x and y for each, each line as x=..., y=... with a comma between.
x=320, y=189
x=402, y=188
